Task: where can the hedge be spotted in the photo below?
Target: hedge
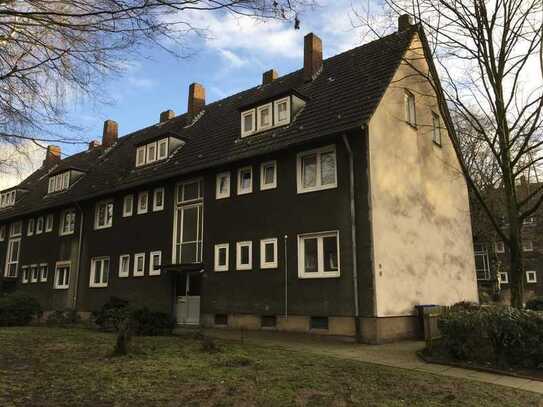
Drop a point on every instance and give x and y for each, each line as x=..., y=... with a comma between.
x=18, y=309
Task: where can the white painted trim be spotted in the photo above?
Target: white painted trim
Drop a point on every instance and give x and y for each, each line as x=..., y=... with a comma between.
x=71, y=231
x=157, y=207
x=218, y=193
x=9, y=255
x=30, y=227
x=137, y=273
x=42, y=267
x=141, y=162
x=128, y=198
x=531, y=276
x=501, y=276
x=320, y=255
x=158, y=144
x=65, y=285
x=148, y=147
x=34, y=276
x=152, y=271
x=263, y=263
x=273, y=185
x=527, y=246
x=139, y=210
x=123, y=274
x=269, y=107
x=25, y=276
x=499, y=247
x=239, y=246
x=246, y=113
x=94, y=262
x=49, y=223
x=318, y=184
x=109, y=222
x=250, y=189
x=276, y=111
x=39, y=225
x=219, y=267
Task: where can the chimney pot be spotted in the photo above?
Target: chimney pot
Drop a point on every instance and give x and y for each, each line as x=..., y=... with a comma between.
x=93, y=144
x=166, y=115
x=404, y=22
x=111, y=133
x=52, y=156
x=197, y=99
x=269, y=76
x=312, y=56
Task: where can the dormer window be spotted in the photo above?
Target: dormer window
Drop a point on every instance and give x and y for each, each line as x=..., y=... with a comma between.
x=248, y=123
x=153, y=151
x=140, y=156
x=162, y=149
x=7, y=199
x=264, y=117
x=269, y=115
x=59, y=182
x=282, y=111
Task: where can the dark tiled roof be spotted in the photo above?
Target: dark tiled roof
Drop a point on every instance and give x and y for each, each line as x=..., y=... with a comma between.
x=342, y=97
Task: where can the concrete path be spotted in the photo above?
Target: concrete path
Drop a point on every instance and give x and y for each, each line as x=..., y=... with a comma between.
x=400, y=355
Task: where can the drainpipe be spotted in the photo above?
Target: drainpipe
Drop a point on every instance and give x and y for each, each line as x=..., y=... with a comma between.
x=353, y=238
x=286, y=278
x=79, y=248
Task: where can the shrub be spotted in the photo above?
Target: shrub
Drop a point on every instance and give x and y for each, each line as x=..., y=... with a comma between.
x=150, y=323
x=111, y=314
x=535, y=304
x=18, y=309
x=63, y=318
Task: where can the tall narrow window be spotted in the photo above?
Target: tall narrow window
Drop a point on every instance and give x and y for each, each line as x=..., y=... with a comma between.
x=317, y=170
x=128, y=205
x=158, y=199
x=139, y=264
x=16, y=229
x=268, y=175
x=188, y=226
x=318, y=255
x=436, y=129
x=282, y=111
x=44, y=272
x=143, y=202
x=103, y=217
x=30, y=227
x=155, y=261
x=245, y=180
x=34, y=273
x=268, y=253
x=62, y=275
x=39, y=225
x=2, y=233
x=221, y=257
x=49, y=223
x=67, y=222
x=244, y=255
x=264, y=117
x=162, y=149
x=12, y=258
x=140, y=156
x=151, y=153
x=410, y=112
x=25, y=274
x=99, y=272
x=248, y=123
x=124, y=265
x=223, y=185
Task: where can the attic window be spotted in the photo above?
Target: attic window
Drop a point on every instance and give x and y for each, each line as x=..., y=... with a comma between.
x=59, y=182
x=152, y=152
x=268, y=115
x=7, y=199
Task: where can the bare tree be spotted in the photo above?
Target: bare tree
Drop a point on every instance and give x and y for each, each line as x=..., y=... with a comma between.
x=488, y=55
x=52, y=49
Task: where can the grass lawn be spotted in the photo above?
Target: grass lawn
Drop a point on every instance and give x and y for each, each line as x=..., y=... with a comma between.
x=71, y=367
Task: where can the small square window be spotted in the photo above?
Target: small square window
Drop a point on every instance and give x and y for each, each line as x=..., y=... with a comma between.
x=264, y=117
x=223, y=185
x=140, y=156
x=527, y=246
x=128, y=205
x=49, y=223
x=151, y=152
x=268, y=175
x=244, y=255
x=282, y=111
x=158, y=199
x=143, y=202
x=499, y=247
x=503, y=277
x=162, y=149
x=139, y=264
x=245, y=180
x=531, y=277
x=155, y=261
x=221, y=319
x=124, y=265
x=248, y=123
x=268, y=253
x=221, y=257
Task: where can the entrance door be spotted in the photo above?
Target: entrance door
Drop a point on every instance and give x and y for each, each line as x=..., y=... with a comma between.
x=188, y=302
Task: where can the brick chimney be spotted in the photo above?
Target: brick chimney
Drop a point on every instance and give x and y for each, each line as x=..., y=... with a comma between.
x=93, y=144
x=197, y=99
x=269, y=76
x=166, y=115
x=404, y=22
x=52, y=156
x=312, y=56
x=111, y=133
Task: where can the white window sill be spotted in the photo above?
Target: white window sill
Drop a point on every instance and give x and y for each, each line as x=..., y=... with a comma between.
x=315, y=189
x=102, y=227
x=98, y=285
x=66, y=233
x=319, y=275
x=244, y=267
x=268, y=187
x=139, y=274
x=268, y=266
x=61, y=288
x=154, y=273
x=245, y=192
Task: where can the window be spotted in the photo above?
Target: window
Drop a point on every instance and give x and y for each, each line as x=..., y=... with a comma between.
x=99, y=272
x=531, y=277
x=2, y=233
x=155, y=261
x=223, y=185
x=62, y=275
x=318, y=255
x=245, y=180
x=527, y=246
x=268, y=321
x=25, y=278
x=124, y=265
x=318, y=323
x=282, y=111
x=143, y=200
x=128, y=205
x=268, y=175
x=34, y=273
x=436, y=129
x=268, y=253
x=16, y=229
x=264, y=117
x=529, y=221
x=244, y=255
x=248, y=123
x=503, y=277
x=188, y=223
x=410, y=112
x=103, y=216
x=30, y=227
x=162, y=149
x=39, y=225
x=158, y=199
x=49, y=223
x=140, y=156
x=139, y=264
x=12, y=258
x=221, y=257
x=499, y=247
x=7, y=199
x=59, y=182
x=317, y=169
x=151, y=153
x=482, y=263
x=67, y=222
x=44, y=273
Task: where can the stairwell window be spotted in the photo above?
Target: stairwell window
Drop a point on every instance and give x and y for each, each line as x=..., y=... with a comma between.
x=248, y=123
x=12, y=258
x=223, y=185
x=67, y=222
x=62, y=275
x=155, y=261
x=221, y=257
x=245, y=180
x=531, y=277
x=410, y=111
x=103, y=217
x=268, y=175
x=124, y=265
x=436, y=129
x=317, y=169
x=318, y=255
x=268, y=253
x=244, y=255
x=99, y=272
x=139, y=264
x=158, y=199
x=143, y=202
x=128, y=205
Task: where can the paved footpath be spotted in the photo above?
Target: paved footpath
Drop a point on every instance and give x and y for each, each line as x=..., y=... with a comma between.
x=400, y=355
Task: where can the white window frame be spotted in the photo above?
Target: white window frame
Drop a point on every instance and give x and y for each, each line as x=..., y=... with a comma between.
x=499, y=247
x=44, y=275
x=30, y=226
x=527, y=247
x=218, y=247
x=137, y=273
x=247, y=113
x=140, y=163
x=241, y=266
x=299, y=168
x=108, y=222
x=139, y=210
x=7, y=199
x=16, y=229
x=94, y=262
x=157, y=207
x=25, y=274
x=503, y=277
x=49, y=223
x=264, y=165
x=70, y=231
x=158, y=144
x=65, y=284
x=436, y=128
x=263, y=263
x=34, y=273
x=250, y=189
x=2, y=233
x=9, y=255
x=152, y=270
x=126, y=199
x=122, y=273
x=276, y=104
x=39, y=225
x=259, y=126
x=410, y=108
x=148, y=147
x=320, y=273
x=533, y=278
x=218, y=193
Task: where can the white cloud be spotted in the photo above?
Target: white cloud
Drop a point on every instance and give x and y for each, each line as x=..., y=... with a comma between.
x=232, y=58
x=17, y=163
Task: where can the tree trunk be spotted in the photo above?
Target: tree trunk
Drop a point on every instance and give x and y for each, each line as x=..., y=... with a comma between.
x=516, y=269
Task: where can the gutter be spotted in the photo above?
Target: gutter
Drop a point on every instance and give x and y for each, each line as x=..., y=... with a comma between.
x=353, y=239
x=79, y=248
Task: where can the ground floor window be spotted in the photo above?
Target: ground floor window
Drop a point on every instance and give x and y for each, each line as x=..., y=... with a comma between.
x=44, y=272
x=99, y=273
x=124, y=265
x=318, y=255
x=62, y=275
x=531, y=277
x=221, y=257
x=25, y=274
x=503, y=277
x=155, y=261
x=244, y=255
x=34, y=273
x=139, y=264
x=268, y=253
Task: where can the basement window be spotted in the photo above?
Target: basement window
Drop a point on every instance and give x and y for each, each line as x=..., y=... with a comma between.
x=268, y=321
x=318, y=255
x=531, y=277
x=221, y=319
x=318, y=323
